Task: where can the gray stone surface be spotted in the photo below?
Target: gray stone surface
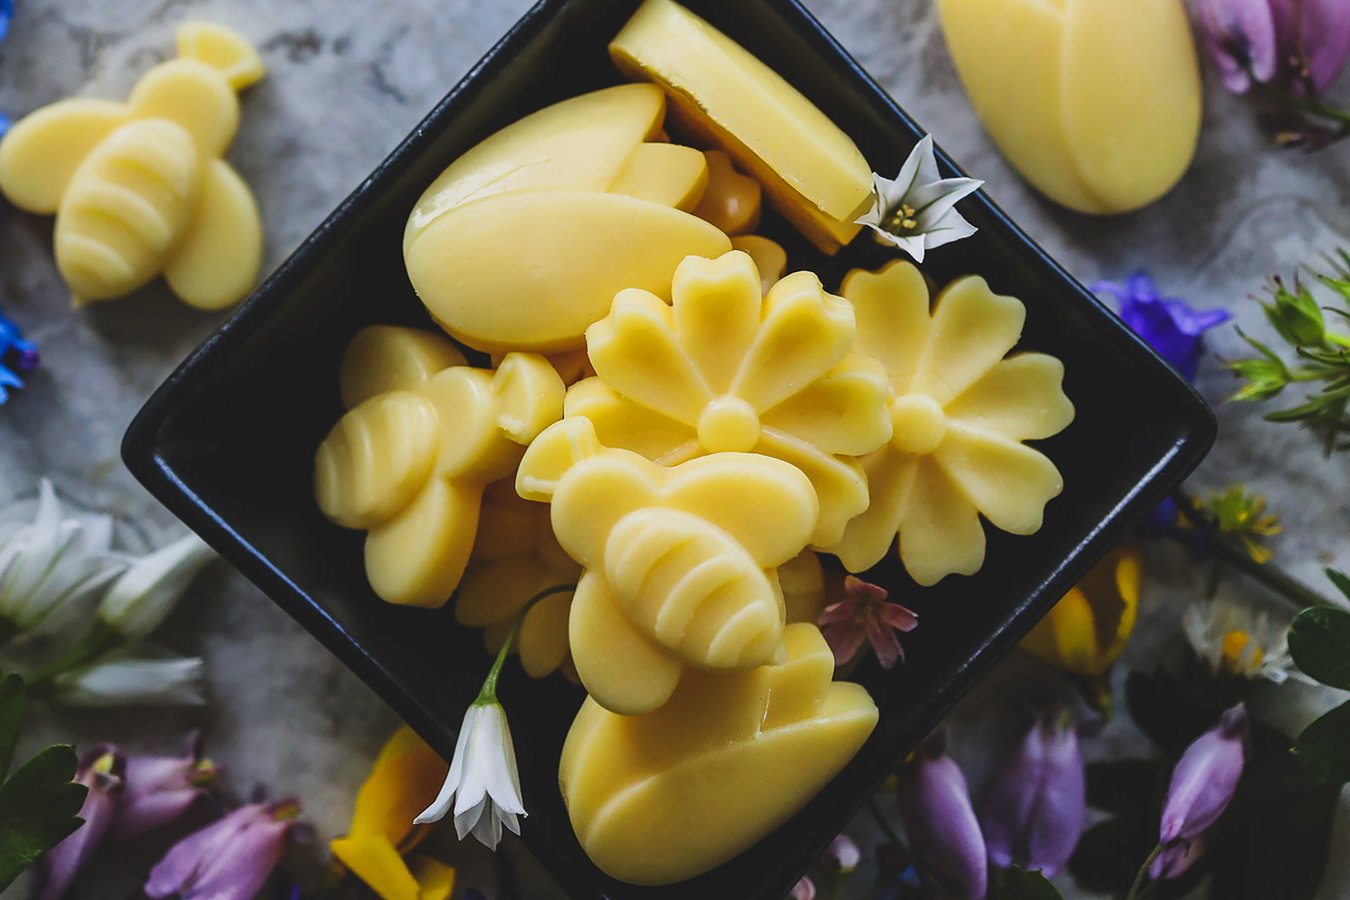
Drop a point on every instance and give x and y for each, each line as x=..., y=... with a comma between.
x=347, y=81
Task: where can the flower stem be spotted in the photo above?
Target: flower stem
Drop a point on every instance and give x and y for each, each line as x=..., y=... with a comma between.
x=97, y=642
x=489, y=692
x=8, y=632
x=1272, y=576
x=1137, y=889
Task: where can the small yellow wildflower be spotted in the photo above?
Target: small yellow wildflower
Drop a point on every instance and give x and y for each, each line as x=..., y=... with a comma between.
x=1089, y=627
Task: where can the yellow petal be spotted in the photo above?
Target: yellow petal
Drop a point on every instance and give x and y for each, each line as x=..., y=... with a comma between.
x=1020, y=398
x=398, y=789
x=890, y=475
x=891, y=306
x=804, y=333
x=844, y=412
x=840, y=483
x=1009, y=482
x=1067, y=636
x=717, y=314
x=542, y=642
x=435, y=879
x=1128, y=568
x=622, y=423
x=973, y=328
x=375, y=861
x=940, y=533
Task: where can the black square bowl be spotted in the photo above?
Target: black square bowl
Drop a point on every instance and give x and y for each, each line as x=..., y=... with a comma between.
x=227, y=442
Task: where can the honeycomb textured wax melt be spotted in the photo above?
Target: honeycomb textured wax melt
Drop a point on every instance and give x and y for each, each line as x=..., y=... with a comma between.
x=813, y=173
x=139, y=188
x=579, y=189
x=726, y=368
x=514, y=558
x=1097, y=104
x=410, y=459
x=666, y=796
x=961, y=411
x=679, y=561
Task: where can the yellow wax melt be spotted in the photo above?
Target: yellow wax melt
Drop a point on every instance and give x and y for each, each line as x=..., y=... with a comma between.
x=515, y=557
x=725, y=368
x=662, y=797
x=731, y=201
x=802, y=581
x=139, y=188
x=596, y=203
x=679, y=560
x=961, y=411
x=1097, y=104
x=409, y=461
x=769, y=257
x=814, y=174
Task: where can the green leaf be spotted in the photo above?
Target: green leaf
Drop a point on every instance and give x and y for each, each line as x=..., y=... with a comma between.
x=1019, y=884
x=1319, y=641
x=11, y=718
x=1324, y=746
x=38, y=808
x=1341, y=580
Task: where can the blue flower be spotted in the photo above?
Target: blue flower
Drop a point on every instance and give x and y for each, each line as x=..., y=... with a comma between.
x=15, y=352
x=1170, y=326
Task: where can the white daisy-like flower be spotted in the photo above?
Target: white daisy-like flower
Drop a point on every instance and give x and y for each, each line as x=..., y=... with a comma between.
x=50, y=561
x=1235, y=639
x=916, y=210
x=483, y=781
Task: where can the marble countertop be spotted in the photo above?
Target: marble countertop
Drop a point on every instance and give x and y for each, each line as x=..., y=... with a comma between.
x=347, y=80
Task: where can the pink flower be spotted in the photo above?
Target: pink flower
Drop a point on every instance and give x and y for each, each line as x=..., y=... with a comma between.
x=228, y=860
x=159, y=789
x=1240, y=35
x=101, y=772
x=803, y=890
x=865, y=614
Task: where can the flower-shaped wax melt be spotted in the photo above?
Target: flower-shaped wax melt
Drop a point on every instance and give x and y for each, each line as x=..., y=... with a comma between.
x=961, y=411
x=725, y=368
x=514, y=558
x=662, y=797
x=410, y=459
x=584, y=190
x=679, y=561
x=139, y=188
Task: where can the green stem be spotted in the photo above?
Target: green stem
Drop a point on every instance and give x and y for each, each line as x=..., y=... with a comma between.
x=489, y=692
x=1268, y=574
x=1136, y=889
x=97, y=642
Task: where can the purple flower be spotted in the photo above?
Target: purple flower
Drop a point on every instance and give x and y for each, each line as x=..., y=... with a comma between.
x=1034, y=810
x=17, y=355
x=1324, y=37
x=159, y=789
x=865, y=615
x=1176, y=859
x=1240, y=36
x=1169, y=325
x=843, y=855
x=1204, y=780
x=805, y=889
x=101, y=772
x=943, y=831
x=228, y=860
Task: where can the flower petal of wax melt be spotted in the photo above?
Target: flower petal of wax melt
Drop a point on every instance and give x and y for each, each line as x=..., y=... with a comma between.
x=679, y=560
x=725, y=368
x=410, y=460
x=961, y=412
x=662, y=797
x=1098, y=105
x=722, y=94
x=139, y=188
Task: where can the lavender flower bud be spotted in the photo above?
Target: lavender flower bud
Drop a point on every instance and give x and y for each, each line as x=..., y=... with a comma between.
x=1205, y=779
x=160, y=789
x=1034, y=810
x=231, y=858
x=943, y=831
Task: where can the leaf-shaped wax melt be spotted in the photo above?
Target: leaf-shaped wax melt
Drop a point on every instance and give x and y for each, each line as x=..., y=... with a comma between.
x=665, y=796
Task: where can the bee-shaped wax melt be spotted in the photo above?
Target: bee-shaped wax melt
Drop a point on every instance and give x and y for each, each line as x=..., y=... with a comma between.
x=139, y=188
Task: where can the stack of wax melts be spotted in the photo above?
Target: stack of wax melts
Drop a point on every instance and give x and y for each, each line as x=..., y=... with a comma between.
x=139, y=188
x=723, y=425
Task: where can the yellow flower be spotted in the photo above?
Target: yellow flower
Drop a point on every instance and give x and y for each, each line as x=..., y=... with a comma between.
x=1090, y=626
x=405, y=773
x=722, y=368
x=1243, y=516
x=961, y=410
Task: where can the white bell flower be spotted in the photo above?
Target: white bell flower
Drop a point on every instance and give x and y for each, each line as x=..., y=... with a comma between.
x=483, y=781
x=916, y=211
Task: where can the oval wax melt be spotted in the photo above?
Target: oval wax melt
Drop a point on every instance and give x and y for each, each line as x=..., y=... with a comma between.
x=1097, y=104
